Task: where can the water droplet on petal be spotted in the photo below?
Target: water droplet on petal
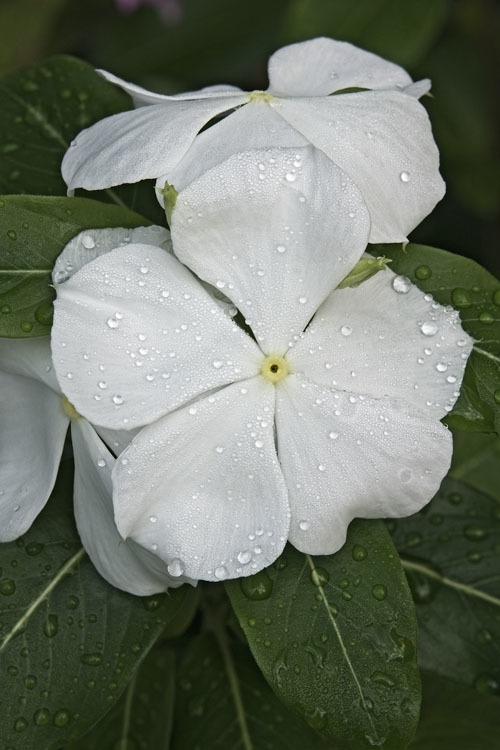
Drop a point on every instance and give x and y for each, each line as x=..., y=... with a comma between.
x=221, y=572
x=401, y=284
x=88, y=242
x=429, y=329
x=175, y=567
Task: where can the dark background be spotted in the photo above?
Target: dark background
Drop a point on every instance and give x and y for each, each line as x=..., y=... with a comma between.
x=190, y=43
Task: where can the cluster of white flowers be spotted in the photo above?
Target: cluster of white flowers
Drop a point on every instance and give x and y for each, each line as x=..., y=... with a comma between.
x=249, y=396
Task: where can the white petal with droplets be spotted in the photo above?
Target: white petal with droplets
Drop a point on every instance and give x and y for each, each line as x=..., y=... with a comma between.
x=135, y=336
x=256, y=125
x=203, y=488
x=319, y=66
x=277, y=230
x=383, y=141
x=346, y=456
x=386, y=338
x=92, y=243
x=126, y=565
x=139, y=144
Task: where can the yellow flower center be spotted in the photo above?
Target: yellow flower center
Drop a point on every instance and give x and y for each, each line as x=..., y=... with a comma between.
x=69, y=409
x=274, y=368
x=260, y=96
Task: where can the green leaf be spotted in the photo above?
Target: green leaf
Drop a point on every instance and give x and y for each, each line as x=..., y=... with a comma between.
x=223, y=703
x=402, y=32
x=476, y=461
x=464, y=284
x=181, y=622
x=69, y=642
x=33, y=232
x=451, y=555
x=456, y=718
x=143, y=716
x=335, y=638
x=42, y=109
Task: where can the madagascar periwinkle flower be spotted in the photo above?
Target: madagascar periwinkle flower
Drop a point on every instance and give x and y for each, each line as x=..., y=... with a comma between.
x=324, y=405
x=357, y=108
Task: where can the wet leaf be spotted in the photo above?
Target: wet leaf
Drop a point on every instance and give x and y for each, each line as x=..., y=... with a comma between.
x=69, y=642
x=33, y=232
x=222, y=702
x=335, y=638
x=143, y=716
x=451, y=555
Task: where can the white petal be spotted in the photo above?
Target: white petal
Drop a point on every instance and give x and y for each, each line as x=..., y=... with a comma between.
x=256, y=125
x=383, y=140
x=277, y=230
x=139, y=144
x=419, y=88
x=375, y=340
x=319, y=66
x=32, y=431
x=29, y=357
x=135, y=336
x=344, y=457
x=203, y=488
x=92, y=243
x=116, y=440
x=125, y=565
x=143, y=97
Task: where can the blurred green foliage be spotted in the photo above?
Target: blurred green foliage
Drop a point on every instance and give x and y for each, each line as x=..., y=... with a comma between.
x=454, y=42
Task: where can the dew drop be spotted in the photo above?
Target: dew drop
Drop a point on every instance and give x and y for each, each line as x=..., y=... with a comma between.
x=346, y=330
x=401, y=284
x=320, y=576
x=220, y=573
x=461, y=298
x=429, y=329
x=404, y=176
x=88, y=242
x=118, y=400
x=379, y=591
x=303, y=525
x=244, y=557
x=175, y=567
x=91, y=660
x=423, y=272
x=359, y=553
x=257, y=587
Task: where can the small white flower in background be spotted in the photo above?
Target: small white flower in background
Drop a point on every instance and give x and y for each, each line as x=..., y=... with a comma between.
x=331, y=412
x=34, y=419
x=380, y=137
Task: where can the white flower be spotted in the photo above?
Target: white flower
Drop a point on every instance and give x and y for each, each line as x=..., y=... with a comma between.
x=380, y=137
x=289, y=436
x=34, y=419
